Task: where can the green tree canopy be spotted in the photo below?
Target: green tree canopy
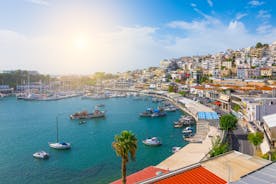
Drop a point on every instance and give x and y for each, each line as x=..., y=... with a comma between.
x=228, y=122
x=256, y=138
x=124, y=145
x=236, y=108
x=259, y=45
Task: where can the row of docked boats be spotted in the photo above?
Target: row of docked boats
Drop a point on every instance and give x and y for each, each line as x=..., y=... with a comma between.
x=150, y=112
x=184, y=120
x=46, y=96
x=100, y=96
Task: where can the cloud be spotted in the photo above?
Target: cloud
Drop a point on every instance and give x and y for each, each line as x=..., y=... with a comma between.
x=193, y=5
x=239, y=16
x=39, y=2
x=203, y=37
x=263, y=14
x=264, y=28
x=127, y=48
x=193, y=26
x=210, y=2
x=255, y=3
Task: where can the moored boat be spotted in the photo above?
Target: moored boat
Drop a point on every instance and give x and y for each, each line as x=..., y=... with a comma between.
x=41, y=155
x=154, y=141
x=187, y=130
x=147, y=113
x=85, y=115
x=60, y=145
x=175, y=149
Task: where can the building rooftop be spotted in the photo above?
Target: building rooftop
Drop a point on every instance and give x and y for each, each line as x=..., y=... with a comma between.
x=270, y=120
x=191, y=175
x=263, y=175
x=144, y=174
x=233, y=165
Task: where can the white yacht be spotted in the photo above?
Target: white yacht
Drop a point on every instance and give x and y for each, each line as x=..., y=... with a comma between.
x=41, y=155
x=154, y=141
x=60, y=145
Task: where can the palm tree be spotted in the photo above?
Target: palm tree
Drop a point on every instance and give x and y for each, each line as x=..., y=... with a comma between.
x=124, y=145
x=256, y=139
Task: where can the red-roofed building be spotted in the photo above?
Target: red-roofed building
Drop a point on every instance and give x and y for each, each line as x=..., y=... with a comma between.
x=191, y=175
x=144, y=174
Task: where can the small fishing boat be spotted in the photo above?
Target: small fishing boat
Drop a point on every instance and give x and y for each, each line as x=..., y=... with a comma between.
x=41, y=155
x=147, y=113
x=187, y=130
x=170, y=109
x=154, y=141
x=178, y=125
x=158, y=113
x=175, y=149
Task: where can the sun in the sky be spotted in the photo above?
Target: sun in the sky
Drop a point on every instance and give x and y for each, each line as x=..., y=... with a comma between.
x=81, y=41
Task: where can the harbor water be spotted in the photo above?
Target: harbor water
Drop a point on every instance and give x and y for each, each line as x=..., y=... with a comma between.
x=28, y=126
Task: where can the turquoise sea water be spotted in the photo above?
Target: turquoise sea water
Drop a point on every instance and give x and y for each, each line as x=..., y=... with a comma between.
x=28, y=126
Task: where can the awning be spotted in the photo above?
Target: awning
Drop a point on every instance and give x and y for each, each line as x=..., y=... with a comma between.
x=218, y=103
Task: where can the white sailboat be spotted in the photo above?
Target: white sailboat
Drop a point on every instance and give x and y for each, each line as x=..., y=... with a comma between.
x=59, y=145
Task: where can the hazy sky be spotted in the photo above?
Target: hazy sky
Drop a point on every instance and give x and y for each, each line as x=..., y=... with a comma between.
x=84, y=36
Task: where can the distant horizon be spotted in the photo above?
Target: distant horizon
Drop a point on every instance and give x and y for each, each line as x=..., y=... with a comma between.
x=82, y=37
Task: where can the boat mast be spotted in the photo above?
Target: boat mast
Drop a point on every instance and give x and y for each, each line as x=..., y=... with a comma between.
x=57, y=127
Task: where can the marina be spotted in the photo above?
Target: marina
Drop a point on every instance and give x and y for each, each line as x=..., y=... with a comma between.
x=91, y=158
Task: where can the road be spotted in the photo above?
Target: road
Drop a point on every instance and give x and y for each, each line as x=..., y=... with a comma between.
x=240, y=142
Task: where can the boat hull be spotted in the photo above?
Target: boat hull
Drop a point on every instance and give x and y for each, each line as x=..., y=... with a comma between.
x=41, y=155
x=151, y=144
x=60, y=146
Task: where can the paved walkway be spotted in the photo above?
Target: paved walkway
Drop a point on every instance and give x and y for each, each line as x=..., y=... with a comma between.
x=191, y=153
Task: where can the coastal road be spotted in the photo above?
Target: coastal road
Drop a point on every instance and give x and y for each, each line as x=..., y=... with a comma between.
x=240, y=142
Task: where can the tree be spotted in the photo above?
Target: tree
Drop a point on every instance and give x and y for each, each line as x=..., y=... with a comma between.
x=183, y=93
x=236, y=108
x=218, y=147
x=255, y=138
x=124, y=145
x=259, y=45
x=228, y=122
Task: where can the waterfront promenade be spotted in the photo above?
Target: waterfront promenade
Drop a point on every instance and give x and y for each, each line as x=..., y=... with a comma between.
x=191, y=153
